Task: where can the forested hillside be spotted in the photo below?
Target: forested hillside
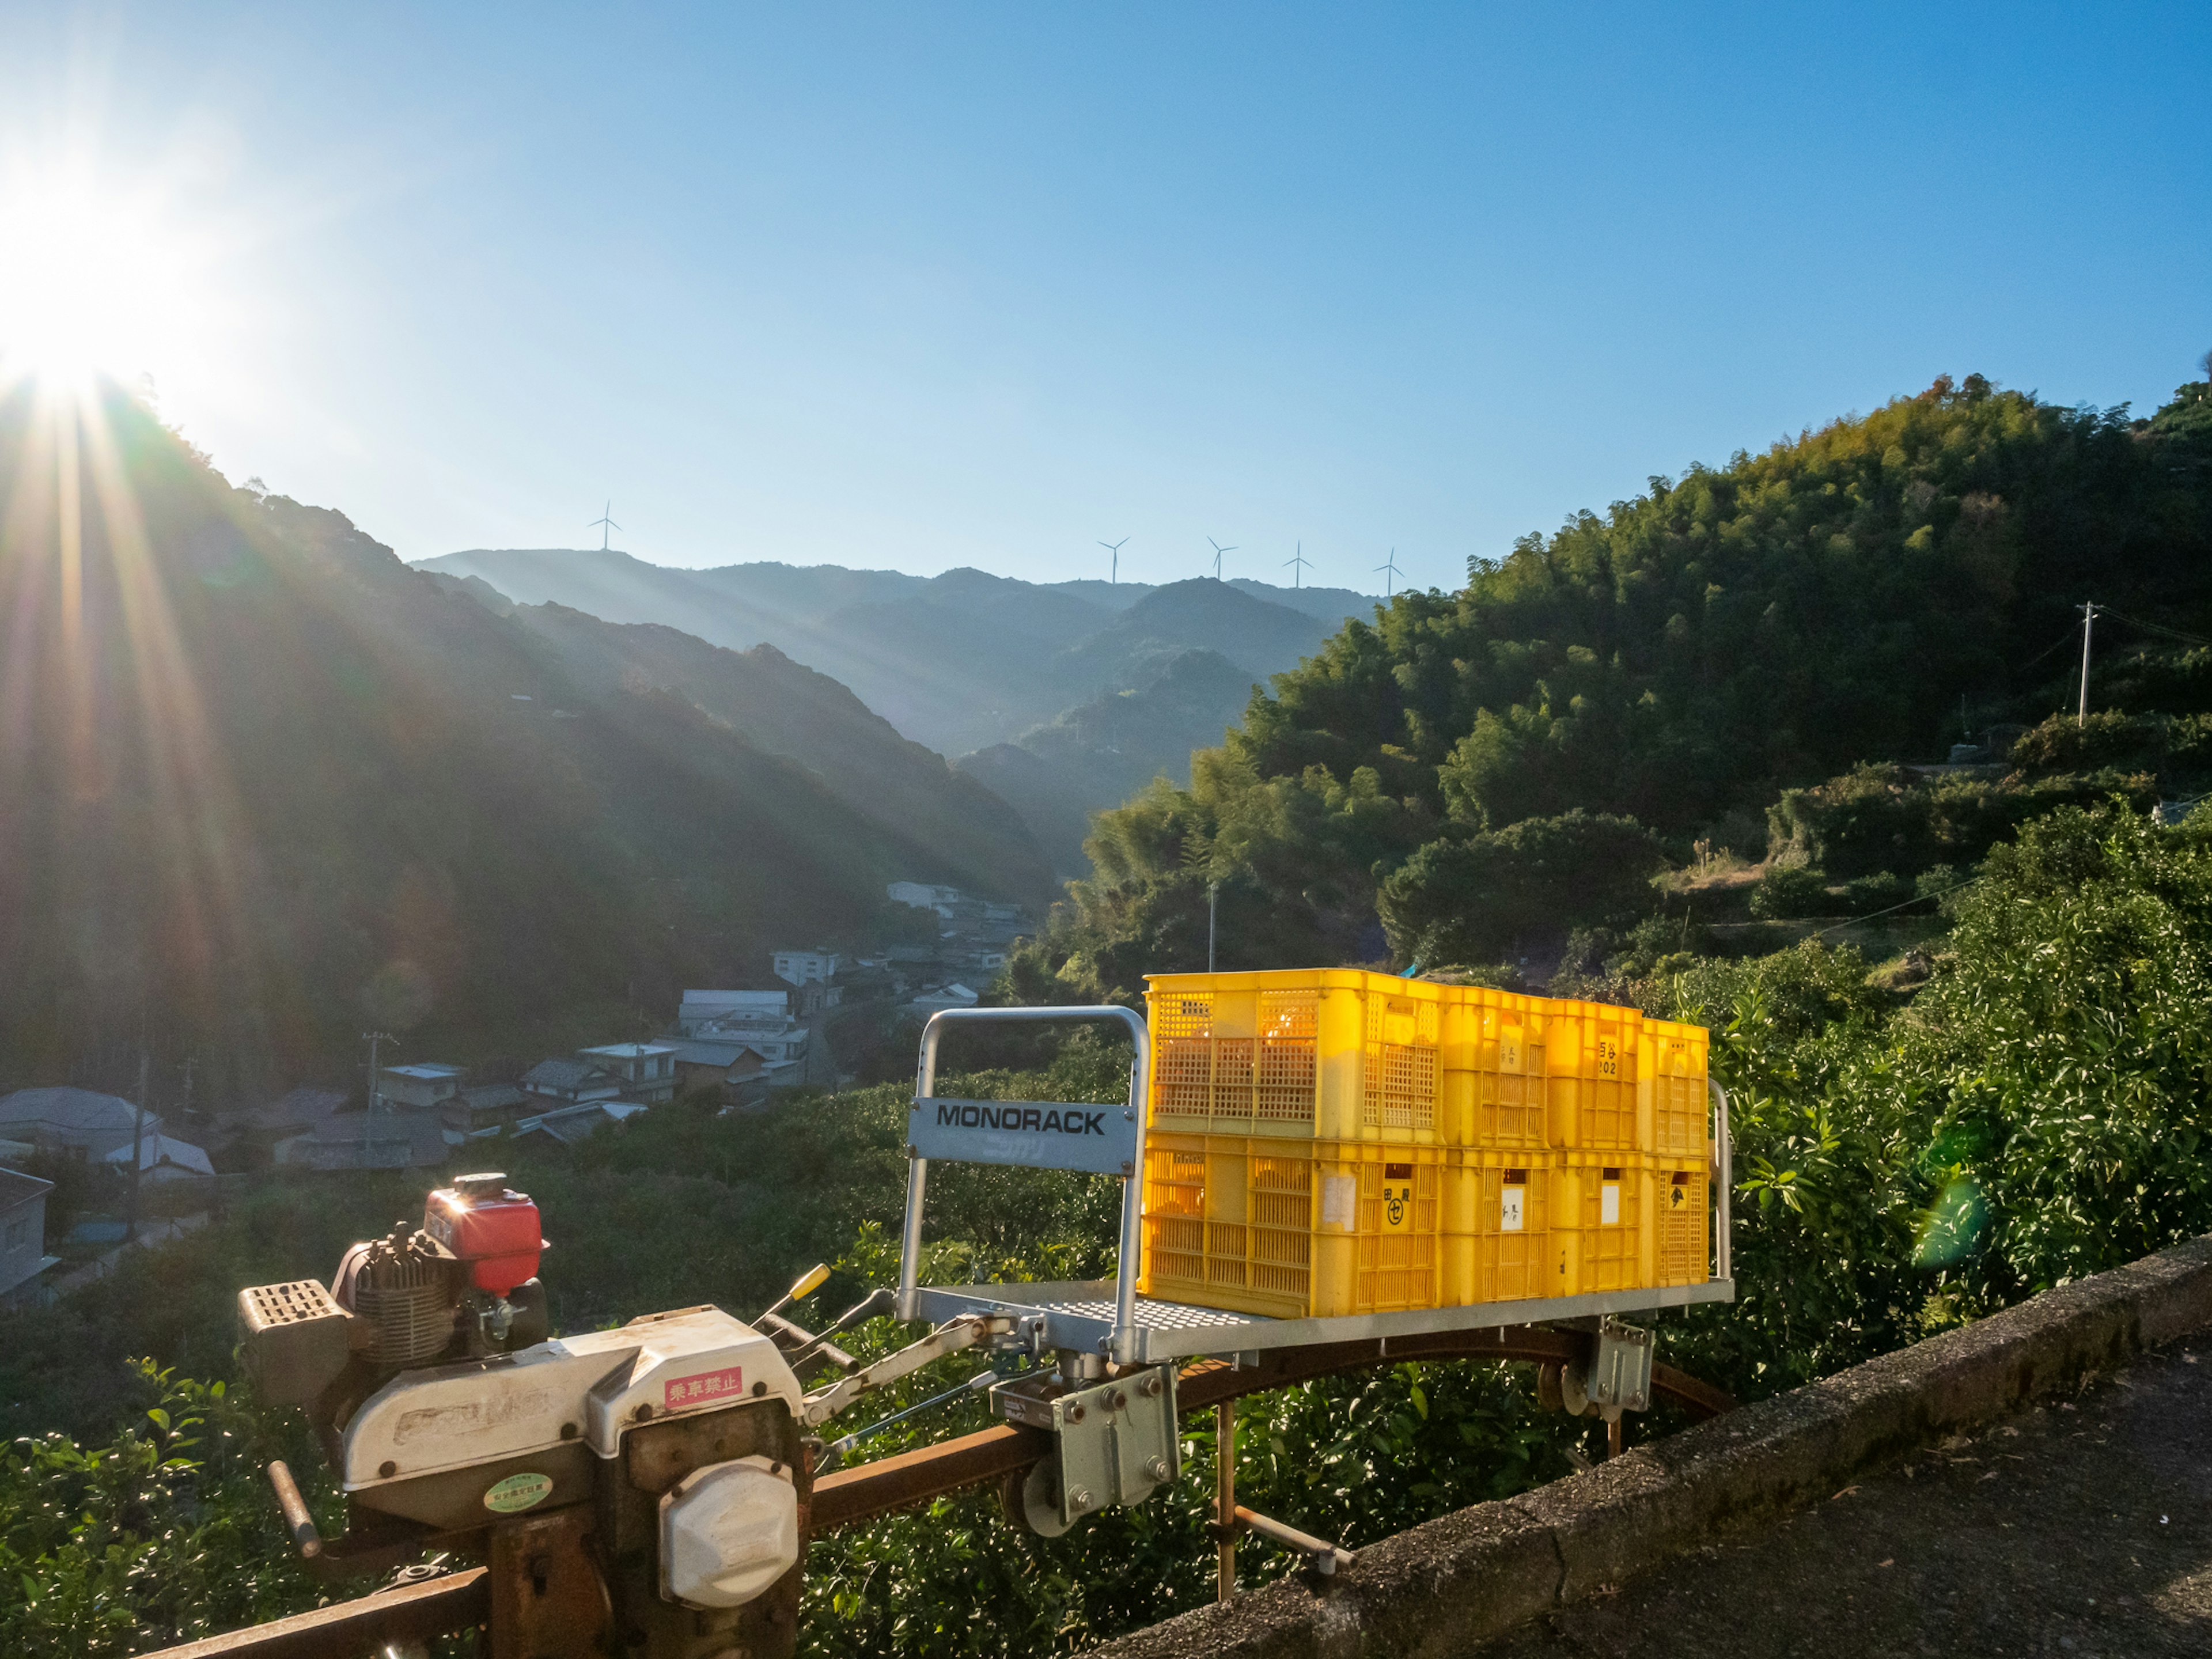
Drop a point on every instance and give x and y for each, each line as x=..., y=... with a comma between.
x=946, y=818
x=261, y=784
x=1476, y=773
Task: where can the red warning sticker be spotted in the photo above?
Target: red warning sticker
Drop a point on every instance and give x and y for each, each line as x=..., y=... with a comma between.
x=725, y=1385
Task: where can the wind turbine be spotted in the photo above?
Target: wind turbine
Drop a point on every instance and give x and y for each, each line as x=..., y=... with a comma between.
x=1115, y=548
x=1389, y=582
x=604, y=525
x=1300, y=562
x=1219, y=550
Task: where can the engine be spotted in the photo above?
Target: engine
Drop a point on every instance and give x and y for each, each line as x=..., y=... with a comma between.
x=645, y=1486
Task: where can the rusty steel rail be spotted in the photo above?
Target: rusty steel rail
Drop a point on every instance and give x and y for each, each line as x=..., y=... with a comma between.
x=433, y=1607
x=420, y=1612
x=851, y=1496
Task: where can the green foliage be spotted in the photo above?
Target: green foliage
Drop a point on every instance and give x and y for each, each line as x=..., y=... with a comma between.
x=1673, y=661
x=1354, y=1458
x=165, y=1533
x=1790, y=890
x=2036, y=1115
x=1469, y=897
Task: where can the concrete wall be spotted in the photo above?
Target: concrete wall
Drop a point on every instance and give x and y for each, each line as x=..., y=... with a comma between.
x=1447, y=1587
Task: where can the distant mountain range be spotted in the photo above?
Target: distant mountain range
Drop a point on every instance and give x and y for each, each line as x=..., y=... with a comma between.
x=1101, y=686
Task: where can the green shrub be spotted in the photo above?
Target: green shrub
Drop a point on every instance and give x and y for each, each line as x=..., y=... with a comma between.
x=1479, y=896
x=1789, y=891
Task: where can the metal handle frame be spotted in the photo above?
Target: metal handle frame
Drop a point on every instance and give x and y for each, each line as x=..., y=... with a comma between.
x=1724, y=1155
x=1123, y=1343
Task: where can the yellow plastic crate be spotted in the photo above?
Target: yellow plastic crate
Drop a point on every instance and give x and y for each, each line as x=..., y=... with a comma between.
x=1601, y=1235
x=1257, y=1223
x=1494, y=1058
x=1671, y=1093
x=1681, y=1193
x=1591, y=1050
x=1496, y=1236
x=1336, y=1053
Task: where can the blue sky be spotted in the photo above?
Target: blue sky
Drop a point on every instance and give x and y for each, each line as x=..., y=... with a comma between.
x=919, y=287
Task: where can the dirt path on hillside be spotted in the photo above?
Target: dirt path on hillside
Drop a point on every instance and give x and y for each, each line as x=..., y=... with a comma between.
x=2074, y=1530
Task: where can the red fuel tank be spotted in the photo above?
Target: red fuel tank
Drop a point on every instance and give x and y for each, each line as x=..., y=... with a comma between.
x=491, y=1228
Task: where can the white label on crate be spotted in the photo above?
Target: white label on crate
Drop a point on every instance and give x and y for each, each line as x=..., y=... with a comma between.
x=1608, y=1204
x=1339, y=1199
x=1509, y=1212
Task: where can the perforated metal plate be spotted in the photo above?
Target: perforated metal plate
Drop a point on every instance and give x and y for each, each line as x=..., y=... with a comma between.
x=1079, y=1316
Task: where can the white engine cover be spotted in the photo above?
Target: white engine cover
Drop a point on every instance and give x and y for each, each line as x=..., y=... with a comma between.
x=727, y=1532
x=595, y=1386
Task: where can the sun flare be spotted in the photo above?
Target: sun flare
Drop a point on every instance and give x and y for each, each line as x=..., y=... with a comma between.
x=95, y=283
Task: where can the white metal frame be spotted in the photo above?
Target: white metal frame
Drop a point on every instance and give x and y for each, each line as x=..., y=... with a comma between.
x=1132, y=1183
x=1106, y=1316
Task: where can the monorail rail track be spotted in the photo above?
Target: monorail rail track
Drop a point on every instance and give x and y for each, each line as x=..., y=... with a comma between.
x=457, y=1600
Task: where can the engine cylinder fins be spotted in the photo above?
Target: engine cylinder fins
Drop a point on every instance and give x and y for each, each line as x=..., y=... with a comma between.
x=403, y=1286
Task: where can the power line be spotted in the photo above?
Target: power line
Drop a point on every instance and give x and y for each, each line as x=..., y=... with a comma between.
x=2063, y=640
x=2154, y=627
x=1918, y=898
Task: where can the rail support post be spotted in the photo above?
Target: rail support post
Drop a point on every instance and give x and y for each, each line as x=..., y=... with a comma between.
x=1224, y=1499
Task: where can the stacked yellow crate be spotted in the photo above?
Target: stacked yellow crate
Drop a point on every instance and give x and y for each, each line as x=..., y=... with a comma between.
x=1671, y=1062
x=1332, y=1141
x=1497, y=1173
x=1601, y=1205
x=1293, y=1166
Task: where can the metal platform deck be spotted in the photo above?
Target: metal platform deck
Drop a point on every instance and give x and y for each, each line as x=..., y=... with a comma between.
x=1079, y=1316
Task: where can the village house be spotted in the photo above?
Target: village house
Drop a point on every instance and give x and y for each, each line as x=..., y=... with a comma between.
x=806, y=967
x=568, y=1083
x=642, y=1071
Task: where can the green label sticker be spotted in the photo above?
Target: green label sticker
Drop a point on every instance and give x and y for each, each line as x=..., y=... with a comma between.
x=518, y=1491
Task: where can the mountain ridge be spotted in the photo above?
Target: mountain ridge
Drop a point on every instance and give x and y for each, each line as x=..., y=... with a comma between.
x=957, y=661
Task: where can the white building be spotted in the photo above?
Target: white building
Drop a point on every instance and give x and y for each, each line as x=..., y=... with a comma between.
x=422, y=1086
x=807, y=967
x=706, y=1012
x=926, y=895
x=646, y=1072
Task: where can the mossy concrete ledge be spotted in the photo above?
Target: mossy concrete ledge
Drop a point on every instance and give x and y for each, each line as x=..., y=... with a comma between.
x=1449, y=1586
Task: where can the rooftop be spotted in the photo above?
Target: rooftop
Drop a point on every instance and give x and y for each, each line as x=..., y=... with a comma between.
x=425, y=1071
x=630, y=1050
x=563, y=1074
x=70, y=1108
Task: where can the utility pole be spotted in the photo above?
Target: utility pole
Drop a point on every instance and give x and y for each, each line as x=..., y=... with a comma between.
x=1212, y=894
x=137, y=1142
x=368, y=1118
x=186, y=1111
x=2088, y=616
